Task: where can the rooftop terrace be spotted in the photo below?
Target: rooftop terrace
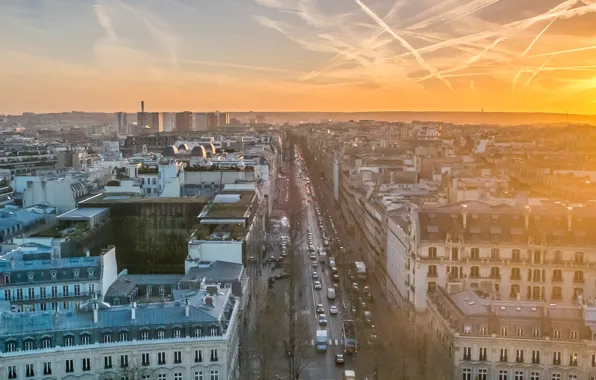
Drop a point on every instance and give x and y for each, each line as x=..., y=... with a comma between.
x=136, y=198
x=229, y=205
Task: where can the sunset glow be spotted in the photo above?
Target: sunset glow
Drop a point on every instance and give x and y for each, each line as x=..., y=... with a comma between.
x=298, y=55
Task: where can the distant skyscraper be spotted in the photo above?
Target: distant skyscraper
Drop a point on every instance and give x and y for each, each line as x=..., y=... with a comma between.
x=151, y=122
x=200, y=121
x=212, y=120
x=184, y=121
x=122, y=122
x=224, y=118
x=169, y=121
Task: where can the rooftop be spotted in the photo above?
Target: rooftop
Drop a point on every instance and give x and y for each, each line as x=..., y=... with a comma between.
x=229, y=205
x=82, y=213
x=214, y=271
x=137, y=198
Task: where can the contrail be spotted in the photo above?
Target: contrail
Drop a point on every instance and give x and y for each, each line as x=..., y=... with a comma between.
x=563, y=52
x=536, y=73
x=479, y=55
x=470, y=12
x=516, y=78
x=537, y=37
x=404, y=43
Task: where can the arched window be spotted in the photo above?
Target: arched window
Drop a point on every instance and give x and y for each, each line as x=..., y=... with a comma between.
x=432, y=271
x=474, y=272
x=432, y=287
x=432, y=252
x=514, y=291
x=475, y=254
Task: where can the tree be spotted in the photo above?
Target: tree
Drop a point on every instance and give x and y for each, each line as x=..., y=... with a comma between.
x=299, y=351
x=133, y=371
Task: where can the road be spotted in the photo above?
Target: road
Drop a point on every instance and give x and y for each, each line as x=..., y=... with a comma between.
x=323, y=366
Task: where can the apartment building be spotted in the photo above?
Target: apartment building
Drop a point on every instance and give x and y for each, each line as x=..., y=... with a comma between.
x=541, y=253
x=34, y=279
x=514, y=340
x=193, y=337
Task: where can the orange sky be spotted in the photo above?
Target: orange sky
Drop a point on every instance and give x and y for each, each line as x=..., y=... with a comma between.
x=299, y=55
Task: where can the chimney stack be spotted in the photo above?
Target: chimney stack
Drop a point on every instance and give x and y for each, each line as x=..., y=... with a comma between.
x=142, y=106
x=187, y=309
x=95, y=312
x=569, y=217
x=464, y=211
x=133, y=311
x=209, y=301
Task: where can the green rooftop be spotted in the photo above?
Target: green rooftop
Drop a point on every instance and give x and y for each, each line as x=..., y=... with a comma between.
x=229, y=205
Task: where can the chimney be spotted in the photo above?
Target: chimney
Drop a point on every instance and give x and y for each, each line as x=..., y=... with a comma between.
x=12, y=262
x=95, y=312
x=187, y=309
x=209, y=301
x=87, y=252
x=133, y=311
x=569, y=217
x=464, y=212
x=212, y=290
x=527, y=216
x=142, y=106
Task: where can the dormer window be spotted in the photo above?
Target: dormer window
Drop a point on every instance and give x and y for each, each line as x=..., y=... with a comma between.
x=11, y=347
x=177, y=333
x=213, y=331
x=46, y=343
x=90, y=272
x=162, y=291
x=75, y=273
x=54, y=275
x=161, y=334
x=7, y=278
x=31, y=276
x=198, y=332
x=68, y=341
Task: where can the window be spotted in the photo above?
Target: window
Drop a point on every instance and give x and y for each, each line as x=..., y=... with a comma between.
x=495, y=254
x=19, y=294
x=123, y=336
x=107, y=338
x=161, y=358
x=578, y=258
x=46, y=343
x=144, y=335
x=475, y=254
x=31, y=293
x=161, y=334
x=503, y=331
x=77, y=290
x=535, y=357
x=474, y=272
x=69, y=365
x=495, y=273
x=85, y=339
x=518, y=375
x=28, y=345
x=162, y=376
x=483, y=330
x=65, y=290
x=68, y=341
x=214, y=355
x=482, y=374
x=123, y=361
x=573, y=359
x=107, y=362
x=467, y=374
x=177, y=357
x=91, y=289
x=557, y=293
x=556, y=376
x=198, y=332
x=502, y=374
x=432, y=252
x=503, y=356
x=213, y=331
x=482, y=354
x=86, y=364
x=455, y=253
x=214, y=375
x=519, y=356
x=557, y=358
x=557, y=334
x=432, y=271
x=177, y=333
x=7, y=295
x=12, y=372
x=573, y=335
x=572, y=377
x=145, y=360
x=467, y=353
x=198, y=375
x=29, y=370
x=47, y=368
x=198, y=356
x=11, y=347
x=535, y=333
x=519, y=332
x=534, y=375
x=178, y=376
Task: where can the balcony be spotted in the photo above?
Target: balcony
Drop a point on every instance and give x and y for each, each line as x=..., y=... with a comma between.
x=432, y=274
x=579, y=280
x=515, y=278
x=495, y=276
x=557, y=279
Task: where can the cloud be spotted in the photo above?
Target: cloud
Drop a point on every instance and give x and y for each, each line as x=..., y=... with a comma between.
x=269, y=23
x=105, y=21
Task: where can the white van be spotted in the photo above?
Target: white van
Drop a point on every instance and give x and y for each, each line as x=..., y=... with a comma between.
x=331, y=293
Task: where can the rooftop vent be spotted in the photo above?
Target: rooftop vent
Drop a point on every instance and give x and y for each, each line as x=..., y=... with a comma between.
x=209, y=301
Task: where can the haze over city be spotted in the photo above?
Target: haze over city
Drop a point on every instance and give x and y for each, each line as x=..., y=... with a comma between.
x=299, y=55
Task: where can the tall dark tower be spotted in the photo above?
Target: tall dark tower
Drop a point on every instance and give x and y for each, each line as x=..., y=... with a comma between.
x=142, y=106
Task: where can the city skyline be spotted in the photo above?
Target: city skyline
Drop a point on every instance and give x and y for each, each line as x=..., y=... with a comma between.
x=299, y=55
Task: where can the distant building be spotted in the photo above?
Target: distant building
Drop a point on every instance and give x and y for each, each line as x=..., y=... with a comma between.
x=212, y=120
x=184, y=121
x=200, y=121
x=261, y=119
x=151, y=122
x=61, y=193
x=169, y=121
x=122, y=122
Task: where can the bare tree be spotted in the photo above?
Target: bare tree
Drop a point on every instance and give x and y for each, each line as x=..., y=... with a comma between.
x=133, y=371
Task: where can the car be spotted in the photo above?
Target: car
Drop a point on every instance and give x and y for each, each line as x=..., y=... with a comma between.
x=318, y=285
x=315, y=264
x=313, y=257
x=323, y=320
x=320, y=308
x=315, y=275
x=335, y=278
x=339, y=359
x=355, y=287
x=333, y=310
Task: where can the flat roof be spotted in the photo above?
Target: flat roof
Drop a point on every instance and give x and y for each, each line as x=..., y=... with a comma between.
x=108, y=198
x=228, y=205
x=82, y=213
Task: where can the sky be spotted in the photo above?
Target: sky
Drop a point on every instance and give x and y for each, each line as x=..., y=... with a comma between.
x=298, y=55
